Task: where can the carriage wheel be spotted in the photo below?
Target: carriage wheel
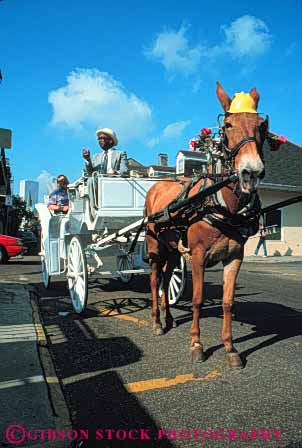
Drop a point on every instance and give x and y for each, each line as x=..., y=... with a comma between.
x=77, y=275
x=125, y=263
x=45, y=274
x=177, y=282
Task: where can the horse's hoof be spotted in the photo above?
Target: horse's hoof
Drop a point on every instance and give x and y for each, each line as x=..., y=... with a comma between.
x=170, y=323
x=233, y=360
x=197, y=354
x=158, y=331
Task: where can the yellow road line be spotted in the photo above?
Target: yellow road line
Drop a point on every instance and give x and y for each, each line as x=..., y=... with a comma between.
x=40, y=332
x=52, y=379
x=160, y=383
x=107, y=312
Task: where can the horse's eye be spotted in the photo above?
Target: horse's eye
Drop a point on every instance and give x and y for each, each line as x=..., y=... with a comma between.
x=228, y=125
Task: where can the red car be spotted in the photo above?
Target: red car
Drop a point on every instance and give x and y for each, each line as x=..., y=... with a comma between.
x=10, y=247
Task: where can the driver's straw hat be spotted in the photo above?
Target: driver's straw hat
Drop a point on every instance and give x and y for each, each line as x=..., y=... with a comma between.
x=110, y=133
x=242, y=102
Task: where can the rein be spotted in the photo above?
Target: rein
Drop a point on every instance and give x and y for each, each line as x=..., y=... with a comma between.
x=231, y=153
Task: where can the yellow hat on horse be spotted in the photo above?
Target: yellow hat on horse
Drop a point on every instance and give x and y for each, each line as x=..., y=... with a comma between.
x=242, y=102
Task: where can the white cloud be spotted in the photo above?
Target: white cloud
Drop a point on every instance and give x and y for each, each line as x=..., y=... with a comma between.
x=171, y=131
x=172, y=49
x=92, y=99
x=175, y=129
x=47, y=183
x=247, y=36
x=153, y=142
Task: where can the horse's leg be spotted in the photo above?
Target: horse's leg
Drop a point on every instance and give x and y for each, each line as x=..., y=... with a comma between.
x=165, y=307
x=230, y=273
x=198, y=279
x=154, y=260
x=157, y=328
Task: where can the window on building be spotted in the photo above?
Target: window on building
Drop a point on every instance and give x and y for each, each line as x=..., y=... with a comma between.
x=273, y=224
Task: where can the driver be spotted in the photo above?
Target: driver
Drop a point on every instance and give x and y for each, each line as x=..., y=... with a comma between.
x=110, y=160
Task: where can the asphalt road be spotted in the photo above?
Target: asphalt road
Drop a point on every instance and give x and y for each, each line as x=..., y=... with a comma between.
x=116, y=376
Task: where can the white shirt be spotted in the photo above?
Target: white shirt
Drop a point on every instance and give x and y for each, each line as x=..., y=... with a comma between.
x=109, y=165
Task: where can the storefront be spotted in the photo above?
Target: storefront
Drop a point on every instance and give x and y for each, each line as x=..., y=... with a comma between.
x=282, y=181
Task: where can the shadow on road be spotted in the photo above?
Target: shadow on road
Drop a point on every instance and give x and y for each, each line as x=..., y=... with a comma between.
x=138, y=284
x=266, y=318
x=109, y=405
x=18, y=262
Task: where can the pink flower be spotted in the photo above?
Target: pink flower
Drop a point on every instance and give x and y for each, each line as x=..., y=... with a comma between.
x=193, y=144
x=206, y=131
x=275, y=141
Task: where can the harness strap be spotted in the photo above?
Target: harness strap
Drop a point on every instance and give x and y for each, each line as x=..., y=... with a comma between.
x=234, y=151
x=133, y=244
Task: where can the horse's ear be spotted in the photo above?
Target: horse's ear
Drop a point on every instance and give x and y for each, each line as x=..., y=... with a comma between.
x=255, y=95
x=223, y=97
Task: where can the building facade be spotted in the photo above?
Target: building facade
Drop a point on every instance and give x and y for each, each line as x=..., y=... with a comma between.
x=29, y=192
x=282, y=181
x=5, y=193
x=6, y=180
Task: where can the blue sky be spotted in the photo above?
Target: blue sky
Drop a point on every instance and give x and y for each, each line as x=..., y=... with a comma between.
x=145, y=69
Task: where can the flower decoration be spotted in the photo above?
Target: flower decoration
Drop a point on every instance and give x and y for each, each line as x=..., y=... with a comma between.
x=205, y=132
x=202, y=141
x=193, y=144
x=275, y=141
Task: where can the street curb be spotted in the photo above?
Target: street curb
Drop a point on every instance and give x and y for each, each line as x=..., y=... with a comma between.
x=55, y=392
x=270, y=260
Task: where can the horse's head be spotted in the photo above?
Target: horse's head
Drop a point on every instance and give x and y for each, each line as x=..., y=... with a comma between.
x=244, y=135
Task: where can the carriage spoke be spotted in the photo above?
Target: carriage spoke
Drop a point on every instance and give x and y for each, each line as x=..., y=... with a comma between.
x=71, y=265
x=124, y=263
x=177, y=282
x=80, y=284
x=175, y=286
x=176, y=278
x=172, y=292
x=77, y=279
x=72, y=251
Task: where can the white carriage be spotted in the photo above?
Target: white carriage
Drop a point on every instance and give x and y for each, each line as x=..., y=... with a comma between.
x=106, y=216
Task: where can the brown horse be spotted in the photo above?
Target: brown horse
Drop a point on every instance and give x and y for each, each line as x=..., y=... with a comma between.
x=243, y=138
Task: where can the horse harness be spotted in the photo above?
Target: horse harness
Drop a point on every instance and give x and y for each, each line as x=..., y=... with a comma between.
x=213, y=209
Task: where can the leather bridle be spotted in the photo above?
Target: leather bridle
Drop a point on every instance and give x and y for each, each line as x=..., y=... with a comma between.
x=231, y=153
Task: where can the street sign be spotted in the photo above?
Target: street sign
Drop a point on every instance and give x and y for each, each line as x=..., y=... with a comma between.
x=5, y=138
x=8, y=201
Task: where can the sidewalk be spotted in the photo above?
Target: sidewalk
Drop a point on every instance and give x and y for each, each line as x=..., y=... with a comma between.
x=260, y=259
x=30, y=395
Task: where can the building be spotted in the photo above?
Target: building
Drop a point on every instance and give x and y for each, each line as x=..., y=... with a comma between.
x=136, y=169
x=5, y=182
x=282, y=181
x=29, y=192
x=190, y=163
x=161, y=171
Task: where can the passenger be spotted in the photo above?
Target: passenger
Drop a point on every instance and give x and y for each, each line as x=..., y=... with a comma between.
x=110, y=160
x=58, y=201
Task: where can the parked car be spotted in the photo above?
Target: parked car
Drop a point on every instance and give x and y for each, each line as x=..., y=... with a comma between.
x=29, y=240
x=10, y=247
